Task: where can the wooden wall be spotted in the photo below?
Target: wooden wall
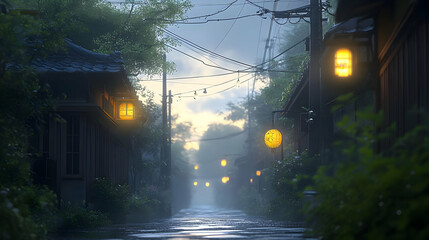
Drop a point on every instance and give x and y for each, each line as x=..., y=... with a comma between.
x=403, y=86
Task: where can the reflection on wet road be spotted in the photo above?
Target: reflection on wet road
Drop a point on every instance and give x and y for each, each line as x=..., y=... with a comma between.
x=199, y=223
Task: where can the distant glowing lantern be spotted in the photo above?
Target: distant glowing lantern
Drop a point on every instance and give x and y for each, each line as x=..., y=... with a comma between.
x=196, y=167
x=225, y=179
x=343, y=62
x=258, y=173
x=126, y=111
x=273, y=138
x=251, y=180
x=195, y=183
x=223, y=163
x=207, y=184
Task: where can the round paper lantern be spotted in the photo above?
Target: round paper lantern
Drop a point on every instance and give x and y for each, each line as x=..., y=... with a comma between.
x=273, y=138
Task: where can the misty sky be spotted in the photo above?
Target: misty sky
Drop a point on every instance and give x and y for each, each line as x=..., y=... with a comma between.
x=242, y=39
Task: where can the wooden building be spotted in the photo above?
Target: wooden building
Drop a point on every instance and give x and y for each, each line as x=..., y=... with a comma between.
x=89, y=135
x=389, y=58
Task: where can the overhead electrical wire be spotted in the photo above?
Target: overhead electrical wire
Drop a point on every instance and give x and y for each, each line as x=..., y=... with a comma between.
x=190, y=43
x=214, y=20
x=212, y=14
x=199, y=60
x=183, y=19
x=218, y=138
x=230, y=28
x=214, y=85
x=190, y=77
x=245, y=70
x=183, y=40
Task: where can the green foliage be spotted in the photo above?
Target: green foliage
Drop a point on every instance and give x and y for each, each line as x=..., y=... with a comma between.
x=110, y=198
x=295, y=61
x=375, y=195
x=133, y=29
x=250, y=200
x=79, y=217
x=25, y=210
x=147, y=204
x=289, y=179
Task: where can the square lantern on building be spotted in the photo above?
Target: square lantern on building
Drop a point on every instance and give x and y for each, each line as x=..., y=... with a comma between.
x=126, y=109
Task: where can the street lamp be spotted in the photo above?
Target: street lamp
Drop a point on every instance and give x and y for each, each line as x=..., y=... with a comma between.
x=207, y=184
x=195, y=183
x=258, y=173
x=223, y=162
x=251, y=180
x=196, y=167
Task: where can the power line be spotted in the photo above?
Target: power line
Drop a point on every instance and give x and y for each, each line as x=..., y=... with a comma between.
x=212, y=14
x=178, y=82
x=190, y=43
x=220, y=91
x=214, y=20
x=215, y=85
x=183, y=19
x=218, y=138
x=199, y=60
x=191, y=77
x=229, y=30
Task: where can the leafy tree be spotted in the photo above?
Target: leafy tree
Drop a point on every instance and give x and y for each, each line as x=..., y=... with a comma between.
x=294, y=62
x=134, y=27
x=24, y=208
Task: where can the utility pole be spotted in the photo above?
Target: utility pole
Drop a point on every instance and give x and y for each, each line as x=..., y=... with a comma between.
x=170, y=100
x=314, y=12
x=315, y=96
x=164, y=118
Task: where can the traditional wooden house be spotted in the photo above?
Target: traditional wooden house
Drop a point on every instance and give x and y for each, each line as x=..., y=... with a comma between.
x=379, y=51
x=89, y=135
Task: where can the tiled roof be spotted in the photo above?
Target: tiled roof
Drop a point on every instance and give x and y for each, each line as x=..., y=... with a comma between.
x=351, y=26
x=79, y=59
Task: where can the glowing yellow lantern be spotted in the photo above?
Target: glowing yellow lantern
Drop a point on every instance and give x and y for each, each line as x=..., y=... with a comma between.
x=273, y=138
x=223, y=163
x=343, y=62
x=258, y=173
x=196, y=167
x=251, y=180
x=225, y=179
x=126, y=111
x=195, y=183
x=207, y=184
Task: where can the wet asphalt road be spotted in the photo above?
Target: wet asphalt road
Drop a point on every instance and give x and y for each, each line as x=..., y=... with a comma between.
x=198, y=223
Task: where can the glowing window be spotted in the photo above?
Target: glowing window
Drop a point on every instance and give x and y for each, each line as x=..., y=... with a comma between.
x=343, y=62
x=126, y=111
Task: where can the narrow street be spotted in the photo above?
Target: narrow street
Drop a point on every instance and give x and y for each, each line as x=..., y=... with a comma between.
x=198, y=223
